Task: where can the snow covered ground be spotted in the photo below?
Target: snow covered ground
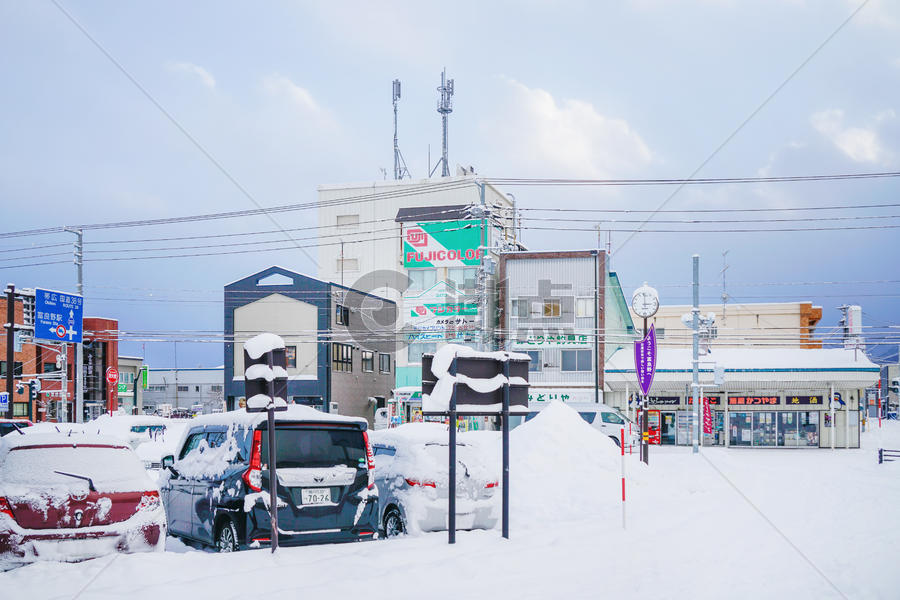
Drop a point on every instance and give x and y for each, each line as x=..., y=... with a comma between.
x=735, y=523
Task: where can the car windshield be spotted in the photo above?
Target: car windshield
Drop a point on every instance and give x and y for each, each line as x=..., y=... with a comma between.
x=111, y=469
x=305, y=447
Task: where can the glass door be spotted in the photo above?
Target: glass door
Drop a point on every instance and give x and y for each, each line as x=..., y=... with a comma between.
x=740, y=429
x=788, y=430
x=808, y=422
x=764, y=433
x=667, y=435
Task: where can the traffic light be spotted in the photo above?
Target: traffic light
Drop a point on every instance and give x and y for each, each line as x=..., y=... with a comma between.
x=895, y=385
x=264, y=362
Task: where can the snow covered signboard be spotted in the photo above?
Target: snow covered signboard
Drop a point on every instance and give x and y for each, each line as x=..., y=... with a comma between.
x=479, y=380
x=264, y=365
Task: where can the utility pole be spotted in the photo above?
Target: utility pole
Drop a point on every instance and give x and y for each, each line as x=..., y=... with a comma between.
x=695, y=362
x=10, y=346
x=79, y=348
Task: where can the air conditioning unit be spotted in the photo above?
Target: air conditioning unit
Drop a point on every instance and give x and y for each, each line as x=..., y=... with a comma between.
x=333, y=408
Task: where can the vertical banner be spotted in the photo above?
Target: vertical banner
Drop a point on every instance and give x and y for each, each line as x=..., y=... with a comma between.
x=645, y=360
x=707, y=417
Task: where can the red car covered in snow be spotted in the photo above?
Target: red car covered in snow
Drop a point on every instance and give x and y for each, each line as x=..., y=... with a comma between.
x=68, y=498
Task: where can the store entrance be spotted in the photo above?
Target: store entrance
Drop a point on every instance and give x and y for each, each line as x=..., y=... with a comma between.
x=667, y=435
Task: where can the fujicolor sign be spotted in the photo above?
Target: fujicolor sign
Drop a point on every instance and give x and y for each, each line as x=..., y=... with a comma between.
x=443, y=244
x=443, y=309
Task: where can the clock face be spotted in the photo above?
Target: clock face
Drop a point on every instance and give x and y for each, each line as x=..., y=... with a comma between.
x=645, y=304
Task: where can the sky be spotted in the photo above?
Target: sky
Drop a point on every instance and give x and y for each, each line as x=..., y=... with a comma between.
x=221, y=106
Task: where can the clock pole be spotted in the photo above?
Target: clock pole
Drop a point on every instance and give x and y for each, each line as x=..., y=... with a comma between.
x=645, y=421
x=645, y=304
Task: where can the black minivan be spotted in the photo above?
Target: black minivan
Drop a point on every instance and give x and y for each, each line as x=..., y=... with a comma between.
x=215, y=489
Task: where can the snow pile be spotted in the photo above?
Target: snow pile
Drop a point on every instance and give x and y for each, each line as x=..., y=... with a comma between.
x=561, y=468
x=208, y=463
x=439, y=399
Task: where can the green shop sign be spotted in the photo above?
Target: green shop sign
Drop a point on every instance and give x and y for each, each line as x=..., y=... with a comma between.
x=443, y=244
x=444, y=310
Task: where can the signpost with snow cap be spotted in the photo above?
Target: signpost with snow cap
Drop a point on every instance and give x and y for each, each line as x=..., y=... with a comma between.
x=265, y=387
x=458, y=381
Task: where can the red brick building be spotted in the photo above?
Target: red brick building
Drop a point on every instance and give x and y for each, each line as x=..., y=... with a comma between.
x=38, y=359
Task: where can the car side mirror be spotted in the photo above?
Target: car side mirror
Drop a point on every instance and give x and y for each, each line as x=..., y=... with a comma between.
x=168, y=462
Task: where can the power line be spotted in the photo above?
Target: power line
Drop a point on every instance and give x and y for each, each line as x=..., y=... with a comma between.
x=522, y=181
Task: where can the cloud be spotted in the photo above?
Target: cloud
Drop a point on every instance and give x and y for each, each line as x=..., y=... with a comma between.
x=202, y=74
x=878, y=13
x=280, y=86
x=570, y=136
x=858, y=143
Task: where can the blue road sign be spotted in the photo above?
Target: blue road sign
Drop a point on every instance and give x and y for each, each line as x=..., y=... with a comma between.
x=57, y=316
x=4, y=401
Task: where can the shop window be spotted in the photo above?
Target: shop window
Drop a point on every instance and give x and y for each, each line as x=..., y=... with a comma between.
x=368, y=361
x=764, y=428
x=290, y=357
x=740, y=429
x=342, y=357
x=577, y=360
x=384, y=363
x=552, y=308
x=421, y=279
x=535, y=365
x=584, y=307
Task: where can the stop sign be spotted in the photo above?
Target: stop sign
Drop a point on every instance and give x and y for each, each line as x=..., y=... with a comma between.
x=112, y=375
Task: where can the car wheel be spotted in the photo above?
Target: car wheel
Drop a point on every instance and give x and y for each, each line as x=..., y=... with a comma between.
x=226, y=536
x=393, y=523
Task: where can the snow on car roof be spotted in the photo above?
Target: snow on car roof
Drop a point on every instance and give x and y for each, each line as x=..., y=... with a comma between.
x=411, y=433
x=294, y=412
x=9, y=442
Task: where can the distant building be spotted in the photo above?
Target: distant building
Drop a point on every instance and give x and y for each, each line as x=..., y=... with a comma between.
x=185, y=389
x=777, y=324
x=131, y=396
x=339, y=359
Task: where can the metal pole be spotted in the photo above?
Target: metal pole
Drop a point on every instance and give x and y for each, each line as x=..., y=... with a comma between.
x=451, y=508
x=10, y=346
x=64, y=388
x=597, y=365
x=483, y=300
x=79, y=348
x=831, y=407
x=273, y=474
x=695, y=369
x=847, y=424
x=505, y=417
x=622, y=453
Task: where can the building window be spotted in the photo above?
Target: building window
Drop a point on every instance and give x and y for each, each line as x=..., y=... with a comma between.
x=347, y=264
x=341, y=315
x=20, y=409
x=290, y=357
x=519, y=308
x=50, y=368
x=348, y=221
x=368, y=361
x=577, y=360
x=215, y=388
x=16, y=373
x=584, y=307
x=463, y=278
x=415, y=351
x=197, y=388
x=182, y=388
x=342, y=357
x=421, y=279
x=552, y=308
x=156, y=388
x=535, y=365
x=384, y=363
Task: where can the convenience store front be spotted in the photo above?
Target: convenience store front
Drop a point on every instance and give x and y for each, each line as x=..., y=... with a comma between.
x=774, y=398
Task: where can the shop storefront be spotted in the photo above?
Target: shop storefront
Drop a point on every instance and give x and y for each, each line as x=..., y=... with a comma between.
x=773, y=398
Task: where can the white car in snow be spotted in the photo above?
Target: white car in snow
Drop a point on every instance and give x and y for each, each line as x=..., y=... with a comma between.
x=603, y=418
x=411, y=472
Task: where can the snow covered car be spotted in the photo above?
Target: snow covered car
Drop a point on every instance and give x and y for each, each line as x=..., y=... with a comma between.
x=604, y=418
x=411, y=473
x=10, y=425
x=68, y=498
x=215, y=489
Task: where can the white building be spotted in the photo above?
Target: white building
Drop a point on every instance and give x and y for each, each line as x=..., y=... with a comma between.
x=433, y=232
x=187, y=388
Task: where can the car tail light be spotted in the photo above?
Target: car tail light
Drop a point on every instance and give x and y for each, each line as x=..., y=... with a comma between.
x=415, y=482
x=490, y=484
x=5, y=508
x=149, y=500
x=253, y=476
x=370, y=460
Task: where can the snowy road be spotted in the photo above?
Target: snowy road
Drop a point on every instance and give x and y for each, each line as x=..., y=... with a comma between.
x=825, y=531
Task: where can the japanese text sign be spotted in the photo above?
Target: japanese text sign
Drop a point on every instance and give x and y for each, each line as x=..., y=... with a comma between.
x=645, y=360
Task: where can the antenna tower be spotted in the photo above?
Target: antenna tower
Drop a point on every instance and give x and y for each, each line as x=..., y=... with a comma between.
x=725, y=266
x=445, y=107
x=400, y=169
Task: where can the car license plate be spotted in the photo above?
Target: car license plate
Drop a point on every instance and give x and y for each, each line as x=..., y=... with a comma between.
x=316, y=496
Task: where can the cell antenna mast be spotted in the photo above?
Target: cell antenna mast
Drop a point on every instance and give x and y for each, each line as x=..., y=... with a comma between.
x=445, y=107
x=400, y=170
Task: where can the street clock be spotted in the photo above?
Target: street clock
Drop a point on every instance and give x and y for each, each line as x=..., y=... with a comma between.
x=645, y=301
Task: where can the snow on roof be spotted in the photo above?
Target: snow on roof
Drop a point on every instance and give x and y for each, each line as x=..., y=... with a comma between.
x=744, y=359
x=294, y=412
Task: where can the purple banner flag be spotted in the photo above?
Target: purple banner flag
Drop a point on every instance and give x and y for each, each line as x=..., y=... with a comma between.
x=645, y=360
